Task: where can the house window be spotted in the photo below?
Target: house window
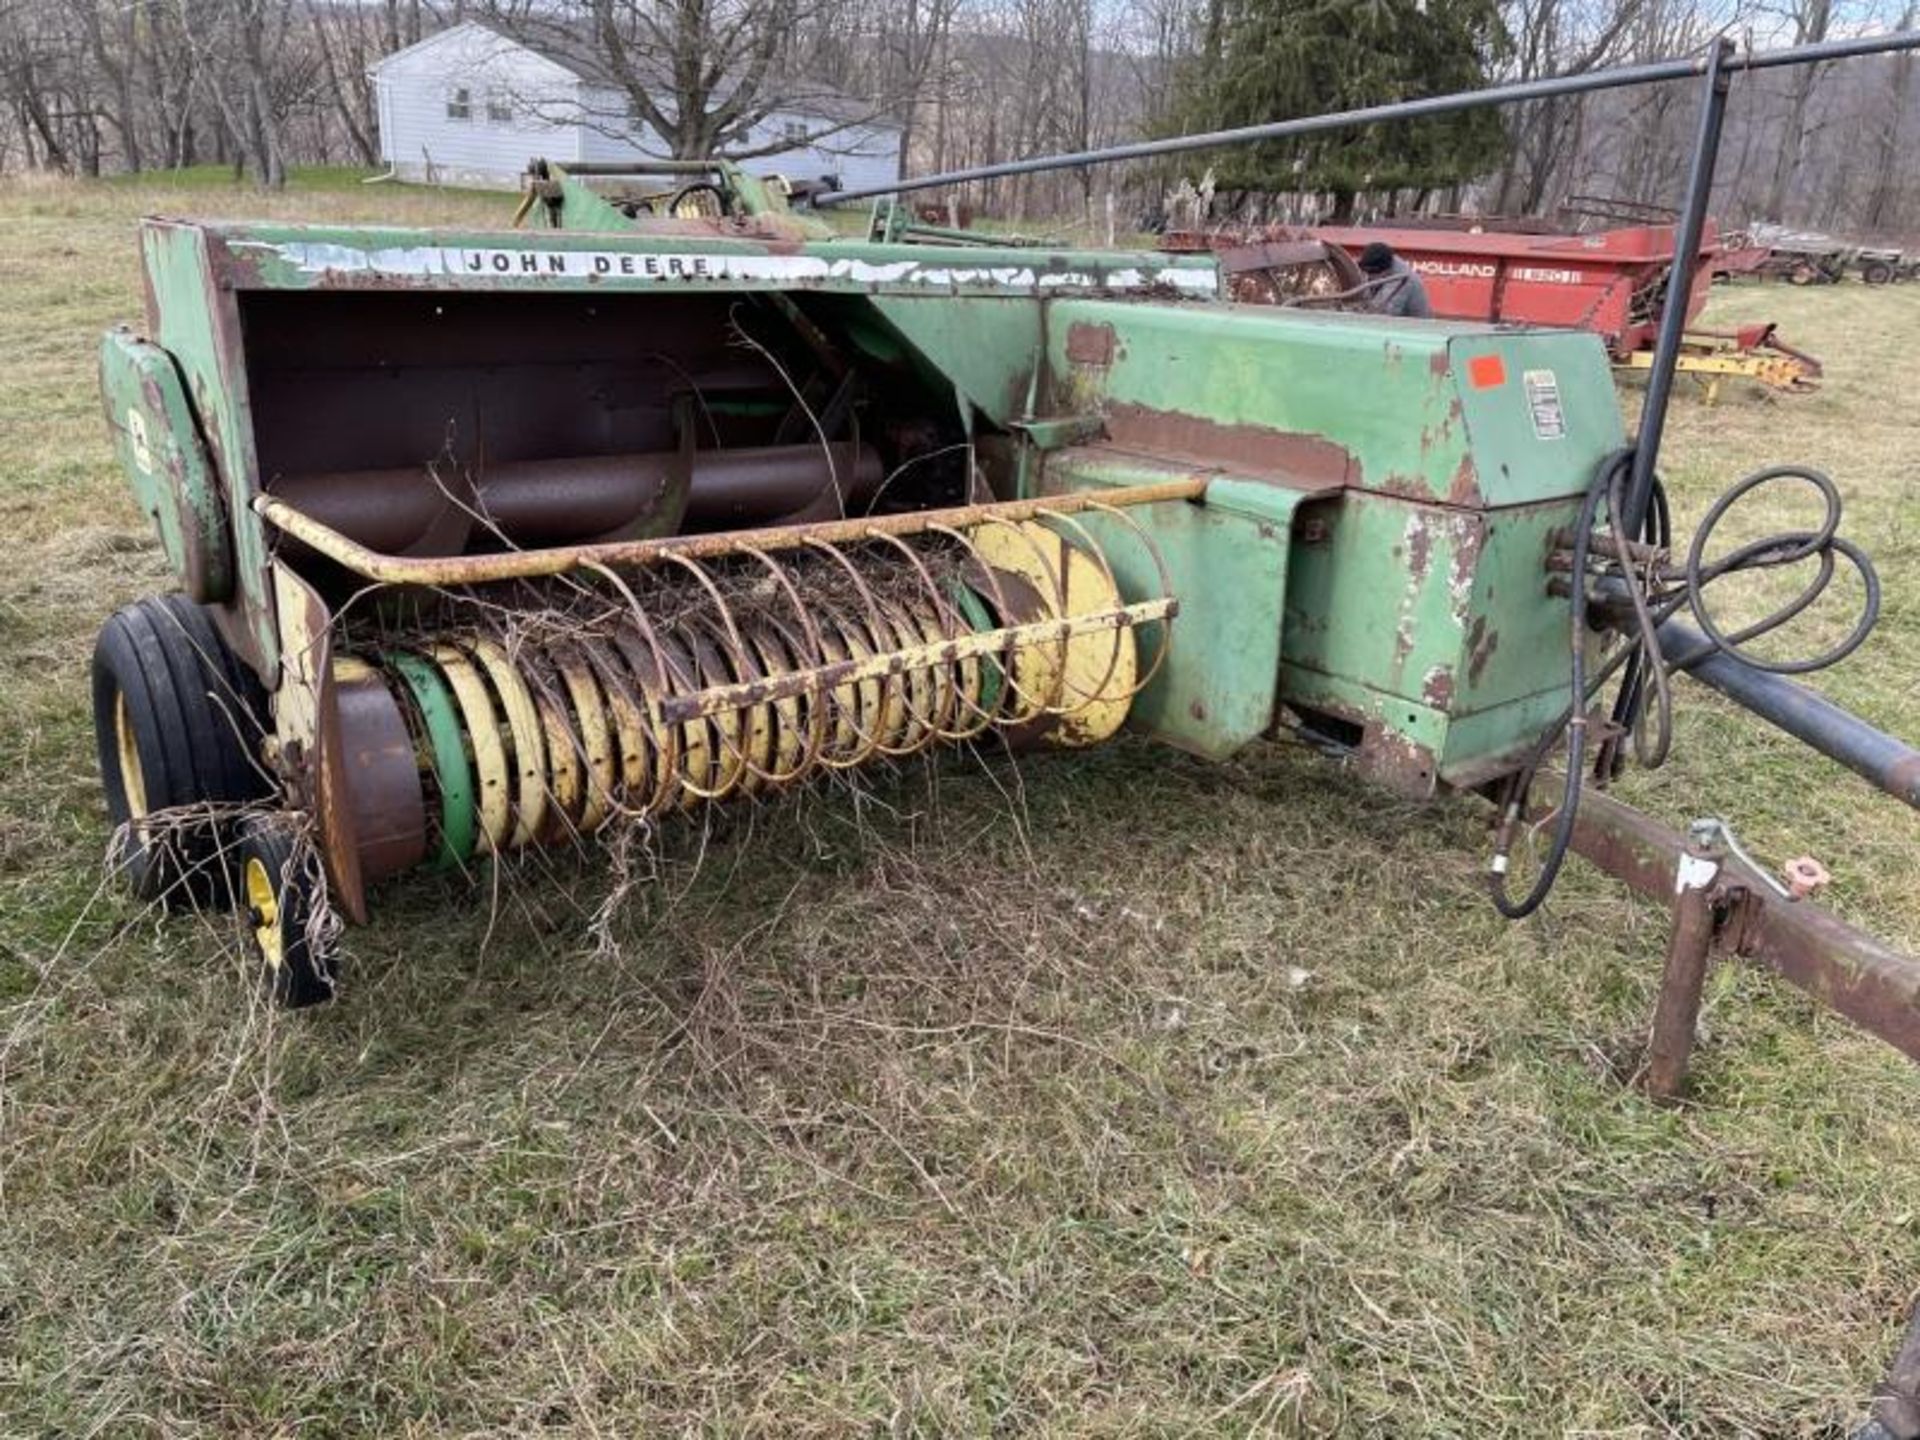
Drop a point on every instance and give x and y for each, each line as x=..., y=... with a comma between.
x=794, y=132
x=499, y=108
x=460, y=103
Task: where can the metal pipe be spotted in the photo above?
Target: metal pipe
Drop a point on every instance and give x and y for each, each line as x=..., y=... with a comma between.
x=1889, y=763
x=1717, y=81
x=1649, y=73
x=526, y=564
x=820, y=679
x=1676, y=1014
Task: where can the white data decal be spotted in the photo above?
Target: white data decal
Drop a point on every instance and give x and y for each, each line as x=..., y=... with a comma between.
x=1543, y=403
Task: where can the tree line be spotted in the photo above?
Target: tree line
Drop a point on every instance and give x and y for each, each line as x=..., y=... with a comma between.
x=95, y=86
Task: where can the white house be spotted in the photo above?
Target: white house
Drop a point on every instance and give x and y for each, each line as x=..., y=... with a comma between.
x=470, y=106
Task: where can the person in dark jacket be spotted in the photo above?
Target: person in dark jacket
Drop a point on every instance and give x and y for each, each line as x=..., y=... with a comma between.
x=1396, y=289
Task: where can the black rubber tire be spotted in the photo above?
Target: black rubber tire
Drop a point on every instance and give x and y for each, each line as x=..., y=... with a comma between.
x=1876, y=272
x=298, y=964
x=194, y=717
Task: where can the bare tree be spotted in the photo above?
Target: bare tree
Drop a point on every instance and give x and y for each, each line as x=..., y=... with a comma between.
x=703, y=75
x=1890, y=148
x=1811, y=20
x=1554, y=37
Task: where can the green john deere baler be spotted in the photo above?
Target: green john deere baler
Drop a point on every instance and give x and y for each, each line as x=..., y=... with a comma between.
x=491, y=540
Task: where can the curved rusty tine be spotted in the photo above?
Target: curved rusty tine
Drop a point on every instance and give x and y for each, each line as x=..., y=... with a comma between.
x=600, y=776
x=1145, y=674
x=900, y=724
x=665, y=738
x=525, y=732
x=966, y=671
x=891, y=684
x=918, y=731
x=870, y=740
x=668, y=740
x=636, y=764
x=544, y=676
x=1119, y=513
x=1033, y=707
x=699, y=736
x=844, y=700
x=774, y=646
x=944, y=616
x=812, y=658
x=890, y=634
x=658, y=670
x=881, y=695
x=1121, y=633
x=1058, y=577
x=933, y=629
x=745, y=667
x=710, y=668
x=1002, y=656
x=737, y=661
x=1050, y=707
x=562, y=748
x=562, y=662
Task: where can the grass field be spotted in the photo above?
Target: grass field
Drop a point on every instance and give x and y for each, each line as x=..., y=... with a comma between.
x=1114, y=1095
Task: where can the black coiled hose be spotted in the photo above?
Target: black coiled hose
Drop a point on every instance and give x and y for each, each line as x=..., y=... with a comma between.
x=1638, y=591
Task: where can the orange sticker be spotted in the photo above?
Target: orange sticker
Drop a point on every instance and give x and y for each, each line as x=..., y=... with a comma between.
x=1486, y=371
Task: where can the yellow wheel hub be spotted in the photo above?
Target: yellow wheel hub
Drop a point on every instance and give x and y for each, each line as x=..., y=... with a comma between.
x=132, y=778
x=263, y=899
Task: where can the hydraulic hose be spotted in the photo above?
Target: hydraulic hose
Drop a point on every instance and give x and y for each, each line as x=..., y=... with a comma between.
x=1636, y=590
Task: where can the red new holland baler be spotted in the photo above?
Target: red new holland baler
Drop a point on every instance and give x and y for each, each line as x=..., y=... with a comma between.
x=1611, y=281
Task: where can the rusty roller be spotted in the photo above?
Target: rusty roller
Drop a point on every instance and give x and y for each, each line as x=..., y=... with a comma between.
x=746, y=675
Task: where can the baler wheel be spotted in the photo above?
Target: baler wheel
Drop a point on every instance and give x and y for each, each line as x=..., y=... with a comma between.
x=176, y=717
x=281, y=892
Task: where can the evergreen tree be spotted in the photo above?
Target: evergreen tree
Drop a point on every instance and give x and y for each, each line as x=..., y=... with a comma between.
x=1264, y=60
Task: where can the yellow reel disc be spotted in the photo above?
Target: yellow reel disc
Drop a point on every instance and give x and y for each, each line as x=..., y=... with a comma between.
x=525, y=731
x=596, y=738
x=489, y=755
x=1087, y=679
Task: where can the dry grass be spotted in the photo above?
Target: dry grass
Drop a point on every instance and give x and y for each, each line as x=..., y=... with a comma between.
x=1118, y=1094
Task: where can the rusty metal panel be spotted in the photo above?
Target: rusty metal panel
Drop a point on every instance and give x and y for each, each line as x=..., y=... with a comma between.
x=1454, y=414
x=157, y=437
x=1431, y=622
x=311, y=758
x=1226, y=559
x=198, y=325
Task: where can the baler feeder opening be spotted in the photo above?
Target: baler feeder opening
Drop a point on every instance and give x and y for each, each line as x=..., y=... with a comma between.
x=443, y=424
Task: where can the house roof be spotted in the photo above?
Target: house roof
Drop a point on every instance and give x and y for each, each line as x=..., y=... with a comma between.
x=573, y=49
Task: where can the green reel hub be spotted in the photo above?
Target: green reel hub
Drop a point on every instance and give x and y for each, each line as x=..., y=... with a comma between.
x=446, y=753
